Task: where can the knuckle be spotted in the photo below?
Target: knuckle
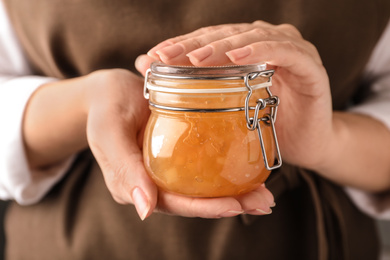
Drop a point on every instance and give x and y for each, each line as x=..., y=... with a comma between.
x=262, y=33
x=289, y=28
x=175, y=39
x=116, y=184
x=197, y=42
x=260, y=23
x=116, y=179
x=297, y=50
x=293, y=47
x=227, y=29
x=210, y=29
x=226, y=44
x=232, y=30
x=266, y=46
x=311, y=46
x=118, y=199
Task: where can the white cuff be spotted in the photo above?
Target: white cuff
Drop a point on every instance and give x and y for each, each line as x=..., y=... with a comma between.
x=374, y=205
x=17, y=181
x=378, y=104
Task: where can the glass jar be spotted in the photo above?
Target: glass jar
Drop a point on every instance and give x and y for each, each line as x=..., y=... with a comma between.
x=211, y=129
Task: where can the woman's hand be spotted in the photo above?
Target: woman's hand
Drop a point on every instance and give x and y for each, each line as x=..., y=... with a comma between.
x=304, y=123
x=340, y=146
x=106, y=111
x=117, y=117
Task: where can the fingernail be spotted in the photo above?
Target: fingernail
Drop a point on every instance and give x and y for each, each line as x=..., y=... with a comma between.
x=201, y=54
x=138, y=61
x=141, y=202
x=230, y=213
x=265, y=212
x=170, y=52
x=238, y=54
x=152, y=51
x=269, y=197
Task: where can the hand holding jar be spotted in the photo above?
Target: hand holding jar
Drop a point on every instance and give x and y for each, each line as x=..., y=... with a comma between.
x=301, y=83
x=115, y=132
x=300, y=80
x=106, y=111
x=339, y=145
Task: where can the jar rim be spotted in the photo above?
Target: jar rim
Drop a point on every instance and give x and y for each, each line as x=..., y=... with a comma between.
x=223, y=73
x=210, y=72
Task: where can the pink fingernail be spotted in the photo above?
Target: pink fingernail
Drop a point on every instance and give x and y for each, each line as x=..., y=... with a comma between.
x=265, y=212
x=230, y=213
x=201, y=54
x=141, y=202
x=170, y=52
x=152, y=52
x=239, y=53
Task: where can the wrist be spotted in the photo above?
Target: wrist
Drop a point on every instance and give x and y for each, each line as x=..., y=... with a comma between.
x=357, y=154
x=54, y=122
x=333, y=153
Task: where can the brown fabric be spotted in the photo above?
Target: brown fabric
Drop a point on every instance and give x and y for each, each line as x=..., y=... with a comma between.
x=80, y=220
x=70, y=38
x=313, y=218
x=3, y=208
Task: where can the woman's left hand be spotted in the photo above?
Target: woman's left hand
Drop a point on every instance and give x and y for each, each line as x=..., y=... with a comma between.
x=339, y=146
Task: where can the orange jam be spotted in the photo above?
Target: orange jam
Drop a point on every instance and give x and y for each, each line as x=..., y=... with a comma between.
x=200, y=151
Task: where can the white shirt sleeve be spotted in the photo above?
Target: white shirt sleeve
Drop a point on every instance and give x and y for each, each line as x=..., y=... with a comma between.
x=17, y=181
x=377, y=106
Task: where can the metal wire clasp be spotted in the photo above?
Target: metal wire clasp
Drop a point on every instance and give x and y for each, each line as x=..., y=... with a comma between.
x=146, y=90
x=253, y=123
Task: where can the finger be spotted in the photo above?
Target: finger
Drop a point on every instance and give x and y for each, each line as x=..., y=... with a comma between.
x=152, y=52
x=215, y=52
x=289, y=29
x=113, y=134
x=121, y=161
x=257, y=202
x=199, y=32
x=172, y=51
x=176, y=53
x=142, y=63
x=198, y=207
x=284, y=54
x=217, y=40
x=275, y=51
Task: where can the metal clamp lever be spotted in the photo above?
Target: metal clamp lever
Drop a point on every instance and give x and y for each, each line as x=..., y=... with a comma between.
x=278, y=162
x=254, y=122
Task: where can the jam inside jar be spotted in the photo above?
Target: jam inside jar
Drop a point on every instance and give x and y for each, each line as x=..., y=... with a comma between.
x=211, y=129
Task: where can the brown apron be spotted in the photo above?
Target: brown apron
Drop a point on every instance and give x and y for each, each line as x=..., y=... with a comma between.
x=78, y=219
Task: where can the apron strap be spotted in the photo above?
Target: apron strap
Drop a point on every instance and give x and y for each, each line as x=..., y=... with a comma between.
x=3, y=208
x=322, y=240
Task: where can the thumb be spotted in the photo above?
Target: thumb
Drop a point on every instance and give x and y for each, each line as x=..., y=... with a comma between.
x=114, y=129
x=142, y=63
x=121, y=161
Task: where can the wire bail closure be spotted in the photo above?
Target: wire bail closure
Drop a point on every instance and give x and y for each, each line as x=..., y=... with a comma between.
x=253, y=123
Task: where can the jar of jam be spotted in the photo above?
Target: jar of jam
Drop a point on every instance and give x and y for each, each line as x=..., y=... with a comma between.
x=211, y=129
